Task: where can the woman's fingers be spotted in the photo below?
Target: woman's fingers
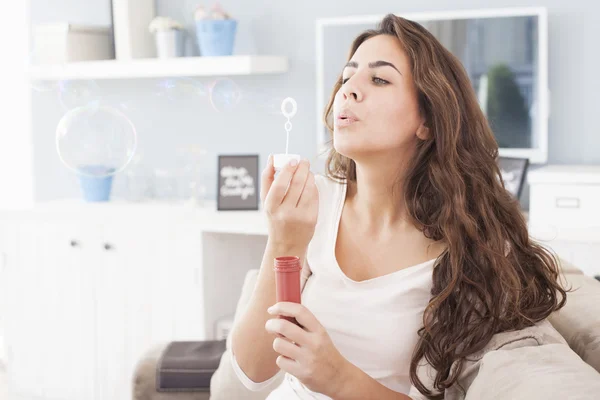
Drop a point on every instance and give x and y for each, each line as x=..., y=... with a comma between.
x=287, y=329
x=296, y=186
x=286, y=348
x=278, y=188
x=310, y=193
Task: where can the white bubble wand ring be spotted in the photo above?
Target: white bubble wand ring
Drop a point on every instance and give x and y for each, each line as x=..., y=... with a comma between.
x=280, y=160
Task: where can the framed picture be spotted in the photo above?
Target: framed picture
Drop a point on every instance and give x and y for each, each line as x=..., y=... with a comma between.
x=513, y=172
x=238, y=183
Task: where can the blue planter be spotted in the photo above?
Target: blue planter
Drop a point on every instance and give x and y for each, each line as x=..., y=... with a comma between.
x=96, y=182
x=216, y=37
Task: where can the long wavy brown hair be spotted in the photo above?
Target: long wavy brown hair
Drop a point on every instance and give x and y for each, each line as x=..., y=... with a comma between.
x=492, y=277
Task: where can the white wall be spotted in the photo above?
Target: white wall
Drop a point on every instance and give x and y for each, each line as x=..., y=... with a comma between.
x=16, y=163
x=288, y=28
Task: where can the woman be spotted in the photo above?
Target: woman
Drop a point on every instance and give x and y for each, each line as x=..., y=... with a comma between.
x=412, y=247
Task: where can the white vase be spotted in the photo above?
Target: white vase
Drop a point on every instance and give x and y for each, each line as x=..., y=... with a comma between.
x=130, y=24
x=169, y=43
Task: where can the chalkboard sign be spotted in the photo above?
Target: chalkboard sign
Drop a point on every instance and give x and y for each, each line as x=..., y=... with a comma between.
x=238, y=182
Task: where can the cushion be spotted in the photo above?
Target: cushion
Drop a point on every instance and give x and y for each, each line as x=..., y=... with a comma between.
x=534, y=363
x=144, y=380
x=551, y=371
x=579, y=320
x=188, y=366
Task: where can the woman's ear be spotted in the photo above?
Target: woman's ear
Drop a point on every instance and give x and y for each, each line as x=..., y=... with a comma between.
x=423, y=132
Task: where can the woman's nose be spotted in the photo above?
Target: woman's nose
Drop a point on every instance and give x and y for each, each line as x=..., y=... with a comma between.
x=350, y=90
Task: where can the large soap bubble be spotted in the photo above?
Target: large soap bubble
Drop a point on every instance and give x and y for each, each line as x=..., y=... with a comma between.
x=96, y=140
x=225, y=95
x=42, y=86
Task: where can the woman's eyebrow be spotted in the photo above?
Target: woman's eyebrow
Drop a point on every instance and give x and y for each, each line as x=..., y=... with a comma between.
x=380, y=63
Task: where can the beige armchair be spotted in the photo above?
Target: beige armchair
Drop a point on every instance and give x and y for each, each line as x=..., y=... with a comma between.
x=578, y=322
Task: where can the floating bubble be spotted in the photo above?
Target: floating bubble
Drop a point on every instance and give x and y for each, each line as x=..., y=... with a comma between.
x=73, y=94
x=181, y=89
x=225, y=95
x=41, y=86
x=96, y=141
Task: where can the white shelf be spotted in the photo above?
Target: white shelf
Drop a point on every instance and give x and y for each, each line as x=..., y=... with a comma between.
x=206, y=217
x=158, y=68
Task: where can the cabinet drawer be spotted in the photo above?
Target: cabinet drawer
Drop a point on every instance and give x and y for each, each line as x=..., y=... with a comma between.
x=561, y=205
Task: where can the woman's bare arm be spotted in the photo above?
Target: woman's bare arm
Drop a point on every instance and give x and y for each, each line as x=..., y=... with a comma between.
x=252, y=345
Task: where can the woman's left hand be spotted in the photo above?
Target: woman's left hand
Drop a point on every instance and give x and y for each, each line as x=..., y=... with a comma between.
x=307, y=352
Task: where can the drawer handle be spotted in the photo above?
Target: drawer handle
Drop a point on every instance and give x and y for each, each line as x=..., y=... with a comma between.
x=567, y=202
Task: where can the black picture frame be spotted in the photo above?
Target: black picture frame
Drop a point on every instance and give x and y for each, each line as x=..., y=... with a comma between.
x=243, y=193
x=514, y=171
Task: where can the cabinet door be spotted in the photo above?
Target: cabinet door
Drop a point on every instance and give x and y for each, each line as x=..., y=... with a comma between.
x=146, y=284
x=112, y=278
x=52, y=323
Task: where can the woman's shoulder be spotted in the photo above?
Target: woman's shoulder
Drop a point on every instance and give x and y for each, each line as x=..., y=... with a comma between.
x=330, y=197
x=330, y=191
x=328, y=185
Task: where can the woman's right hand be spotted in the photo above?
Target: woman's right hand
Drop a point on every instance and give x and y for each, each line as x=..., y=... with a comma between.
x=291, y=203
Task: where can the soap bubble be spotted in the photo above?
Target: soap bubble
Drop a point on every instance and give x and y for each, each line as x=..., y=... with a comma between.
x=225, y=95
x=181, y=89
x=96, y=141
x=73, y=94
x=41, y=86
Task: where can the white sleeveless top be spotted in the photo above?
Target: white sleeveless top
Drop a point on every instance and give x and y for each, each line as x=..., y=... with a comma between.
x=372, y=323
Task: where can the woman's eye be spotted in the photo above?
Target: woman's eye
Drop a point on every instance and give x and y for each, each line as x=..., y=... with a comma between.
x=379, y=81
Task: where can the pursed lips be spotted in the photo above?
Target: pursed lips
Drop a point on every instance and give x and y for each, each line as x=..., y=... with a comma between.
x=346, y=117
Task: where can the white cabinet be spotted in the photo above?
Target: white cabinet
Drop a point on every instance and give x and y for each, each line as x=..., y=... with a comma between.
x=86, y=291
x=563, y=196
x=586, y=256
x=49, y=327
x=565, y=213
x=583, y=255
x=148, y=290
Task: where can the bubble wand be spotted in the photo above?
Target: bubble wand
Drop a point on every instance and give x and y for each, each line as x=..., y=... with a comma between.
x=280, y=160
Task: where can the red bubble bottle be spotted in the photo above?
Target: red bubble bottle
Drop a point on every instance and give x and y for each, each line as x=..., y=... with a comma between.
x=287, y=280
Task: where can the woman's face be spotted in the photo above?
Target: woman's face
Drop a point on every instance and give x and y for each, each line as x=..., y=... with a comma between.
x=376, y=109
